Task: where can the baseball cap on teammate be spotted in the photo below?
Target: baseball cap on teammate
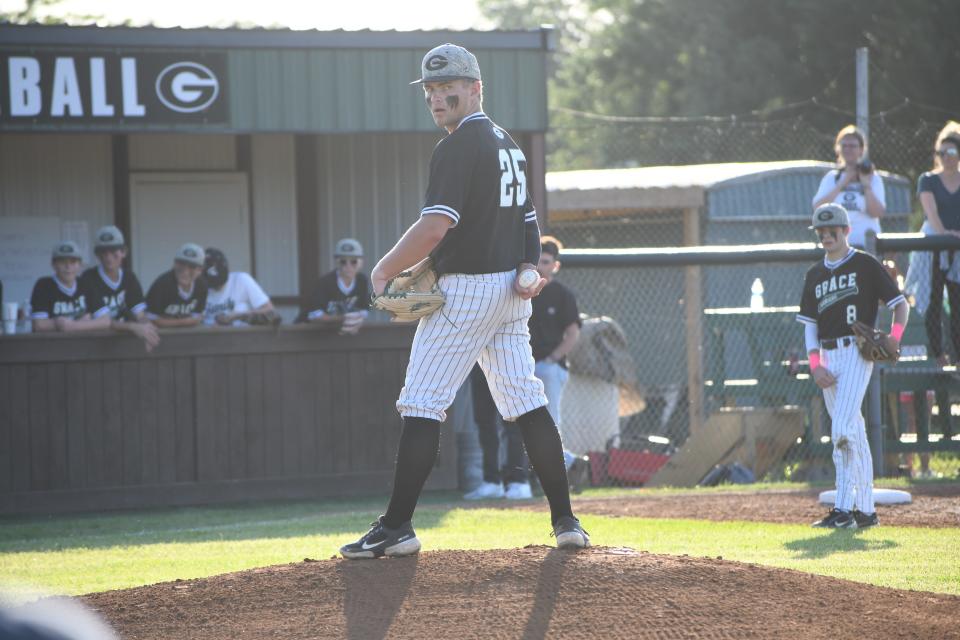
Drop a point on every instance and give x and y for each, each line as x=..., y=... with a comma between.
x=830, y=215
x=215, y=267
x=67, y=249
x=191, y=254
x=348, y=247
x=448, y=62
x=108, y=237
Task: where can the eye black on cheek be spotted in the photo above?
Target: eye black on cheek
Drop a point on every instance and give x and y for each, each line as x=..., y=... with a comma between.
x=452, y=101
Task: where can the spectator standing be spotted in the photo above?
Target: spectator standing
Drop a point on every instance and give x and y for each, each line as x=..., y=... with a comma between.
x=342, y=296
x=233, y=297
x=939, y=193
x=489, y=421
x=178, y=297
x=855, y=185
x=554, y=329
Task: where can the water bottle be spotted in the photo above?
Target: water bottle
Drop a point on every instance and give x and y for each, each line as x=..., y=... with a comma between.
x=756, y=295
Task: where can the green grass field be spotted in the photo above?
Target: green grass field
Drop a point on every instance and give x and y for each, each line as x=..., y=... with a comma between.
x=82, y=554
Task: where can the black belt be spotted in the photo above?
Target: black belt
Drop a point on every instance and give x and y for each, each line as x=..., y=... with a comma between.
x=837, y=342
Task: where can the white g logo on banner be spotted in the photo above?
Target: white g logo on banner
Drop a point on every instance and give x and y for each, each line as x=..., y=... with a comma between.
x=187, y=87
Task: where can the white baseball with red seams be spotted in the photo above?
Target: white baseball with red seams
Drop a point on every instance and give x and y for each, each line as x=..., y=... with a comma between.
x=528, y=278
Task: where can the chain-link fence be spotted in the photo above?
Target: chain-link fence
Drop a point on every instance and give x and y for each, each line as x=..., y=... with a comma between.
x=729, y=385
x=724, y=380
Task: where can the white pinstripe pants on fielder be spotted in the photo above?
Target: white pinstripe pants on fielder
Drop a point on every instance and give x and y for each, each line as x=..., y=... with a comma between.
x=851, y=449
x=483, y=321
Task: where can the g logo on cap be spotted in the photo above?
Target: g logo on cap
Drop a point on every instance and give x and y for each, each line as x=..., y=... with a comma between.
x=65, y=248
x=435, y=63
x=825, y=215
x=106, y=237
x=190, y=253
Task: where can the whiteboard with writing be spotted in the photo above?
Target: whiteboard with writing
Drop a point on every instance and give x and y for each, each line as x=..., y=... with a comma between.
x=25, y=246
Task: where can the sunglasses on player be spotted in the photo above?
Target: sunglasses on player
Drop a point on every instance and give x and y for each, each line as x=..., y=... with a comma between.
x=344, y=261
x=949, y=151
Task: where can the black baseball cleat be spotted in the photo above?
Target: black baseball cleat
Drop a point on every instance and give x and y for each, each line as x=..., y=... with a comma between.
x=569, y=533
x=381, y=541
x=828, y=521
x=865, y=520
x=844, y=521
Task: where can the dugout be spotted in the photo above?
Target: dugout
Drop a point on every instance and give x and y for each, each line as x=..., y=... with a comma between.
x=270, y=144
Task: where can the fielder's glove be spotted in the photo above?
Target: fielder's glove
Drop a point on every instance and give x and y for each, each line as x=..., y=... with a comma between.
x=412, y=294
x=875, y=345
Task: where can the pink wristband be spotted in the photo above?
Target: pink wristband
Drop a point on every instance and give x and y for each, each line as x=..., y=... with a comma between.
x=896, y=331
x=814, y=360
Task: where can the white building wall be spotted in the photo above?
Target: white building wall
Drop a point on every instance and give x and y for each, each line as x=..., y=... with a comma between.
x=275, y=214
x=176, y=152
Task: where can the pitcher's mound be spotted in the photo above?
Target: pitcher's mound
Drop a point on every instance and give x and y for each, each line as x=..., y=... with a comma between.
x=536, y=592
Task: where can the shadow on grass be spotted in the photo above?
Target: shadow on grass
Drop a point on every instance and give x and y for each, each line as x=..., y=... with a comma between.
x=836, y=541
x=205, y=524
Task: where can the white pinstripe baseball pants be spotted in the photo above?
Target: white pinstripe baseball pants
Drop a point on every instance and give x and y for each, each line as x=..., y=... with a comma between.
x=483, y=321
x=851, y=449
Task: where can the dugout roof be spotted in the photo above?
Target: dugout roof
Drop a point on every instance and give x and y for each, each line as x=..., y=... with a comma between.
x=125, y=79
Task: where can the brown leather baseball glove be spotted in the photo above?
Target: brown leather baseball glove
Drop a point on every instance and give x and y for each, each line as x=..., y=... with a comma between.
x=412, y=294
x=875, y=345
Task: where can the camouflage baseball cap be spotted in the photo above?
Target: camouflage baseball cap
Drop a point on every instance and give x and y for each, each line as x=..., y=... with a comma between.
x=348, y=247
x=67, y=249
x=108, y=237
x=190, y=253
x=448, y=62
x=830, y=215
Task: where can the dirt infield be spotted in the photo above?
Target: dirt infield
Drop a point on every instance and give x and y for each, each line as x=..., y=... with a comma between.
x=536, y=592
x=932, y=506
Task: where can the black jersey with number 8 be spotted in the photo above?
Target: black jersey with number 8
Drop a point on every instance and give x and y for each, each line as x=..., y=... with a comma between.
x=838, y=295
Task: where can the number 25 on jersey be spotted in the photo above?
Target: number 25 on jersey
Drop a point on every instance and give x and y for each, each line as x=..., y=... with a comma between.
x=513, y=179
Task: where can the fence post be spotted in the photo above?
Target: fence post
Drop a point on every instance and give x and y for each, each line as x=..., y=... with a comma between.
x=863, y=90
x=874, y=417
x=693, y=296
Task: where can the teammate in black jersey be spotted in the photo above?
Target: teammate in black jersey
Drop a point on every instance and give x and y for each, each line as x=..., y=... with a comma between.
x=479, y=226
x=842, y=289
x=178, y=297
x=342, y=297
x=65, y=303
x=115, y=292
x=60, y=303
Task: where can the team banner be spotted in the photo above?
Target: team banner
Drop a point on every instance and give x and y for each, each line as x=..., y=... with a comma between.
x=113, y=88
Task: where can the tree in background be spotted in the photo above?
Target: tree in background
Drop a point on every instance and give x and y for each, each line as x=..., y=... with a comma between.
x=35, y=11
x=694, y=57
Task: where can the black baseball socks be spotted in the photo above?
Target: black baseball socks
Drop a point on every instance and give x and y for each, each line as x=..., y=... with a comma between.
x=416, y=455
x=542, y=441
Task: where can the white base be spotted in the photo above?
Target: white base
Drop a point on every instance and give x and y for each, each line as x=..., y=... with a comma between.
x=880, y=496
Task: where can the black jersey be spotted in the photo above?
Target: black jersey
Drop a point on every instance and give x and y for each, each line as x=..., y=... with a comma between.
x=51, y=299
x=165, y=300
x=554, y=310
x=837, y=294
x=329, y=299
x=478, y=178
x=123, y=300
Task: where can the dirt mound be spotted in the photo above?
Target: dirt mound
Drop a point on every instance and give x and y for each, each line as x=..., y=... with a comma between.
x=939, y=507
x=536, y=592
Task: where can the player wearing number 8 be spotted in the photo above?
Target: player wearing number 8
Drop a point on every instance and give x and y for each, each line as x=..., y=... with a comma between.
x=839, y=292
